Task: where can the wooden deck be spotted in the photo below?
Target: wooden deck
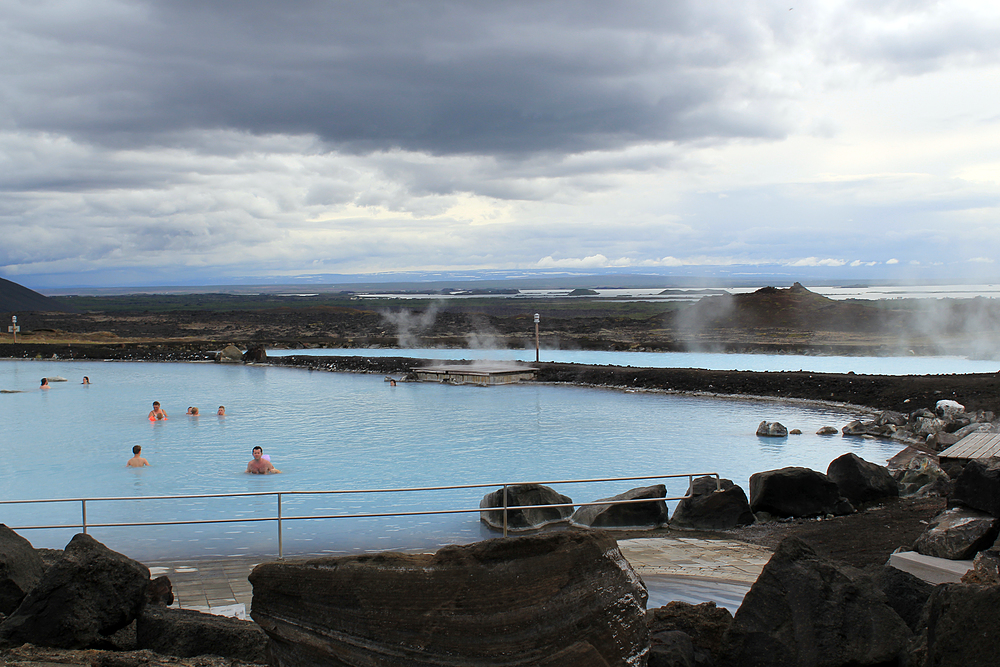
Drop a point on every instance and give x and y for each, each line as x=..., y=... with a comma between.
x=480, y=374
x=974, y=446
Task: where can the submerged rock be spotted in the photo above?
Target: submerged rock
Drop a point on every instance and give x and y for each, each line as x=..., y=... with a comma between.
x=567, y=598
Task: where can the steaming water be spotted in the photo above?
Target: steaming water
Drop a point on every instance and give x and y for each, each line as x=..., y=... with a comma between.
x=712, y=361
x=346, y=431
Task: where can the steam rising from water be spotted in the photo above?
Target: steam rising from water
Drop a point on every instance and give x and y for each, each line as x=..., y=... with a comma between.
x=931, y=326
x=408, y=323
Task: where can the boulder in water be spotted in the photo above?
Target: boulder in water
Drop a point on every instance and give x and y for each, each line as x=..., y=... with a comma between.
x=768, y=429
x=641, y=516
x=525, y=519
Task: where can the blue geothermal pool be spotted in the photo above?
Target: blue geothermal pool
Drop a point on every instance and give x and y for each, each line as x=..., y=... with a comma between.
x=346, y=431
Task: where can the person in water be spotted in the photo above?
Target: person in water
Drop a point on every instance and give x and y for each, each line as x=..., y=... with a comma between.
x=45, y=383
x=86, y=380
x=137, y=461
x=259, y=465
x=222, y=411
x=157, y=413
x=193, y=411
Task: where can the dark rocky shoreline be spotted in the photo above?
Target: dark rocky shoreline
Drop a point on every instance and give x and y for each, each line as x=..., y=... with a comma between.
x=977, y=391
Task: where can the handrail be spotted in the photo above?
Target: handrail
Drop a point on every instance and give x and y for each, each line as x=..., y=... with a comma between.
x=280, y=517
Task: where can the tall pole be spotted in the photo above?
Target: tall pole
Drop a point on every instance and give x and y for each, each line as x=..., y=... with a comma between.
x=536, y=338
x=14, y=328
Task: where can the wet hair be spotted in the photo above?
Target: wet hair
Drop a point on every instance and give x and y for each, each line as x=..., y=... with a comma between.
x=256, y=448
x=194, y=411
x=136, y=449
x=45, y=380
x=155, y=403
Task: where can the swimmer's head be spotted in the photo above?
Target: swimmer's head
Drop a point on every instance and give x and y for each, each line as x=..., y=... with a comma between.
x=194, y=411
x=136, y=449
x=257, y=451
x=156, y=404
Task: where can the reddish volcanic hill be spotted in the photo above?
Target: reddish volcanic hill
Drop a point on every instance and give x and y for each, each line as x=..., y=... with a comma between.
x=16, y=298
x=792, y=308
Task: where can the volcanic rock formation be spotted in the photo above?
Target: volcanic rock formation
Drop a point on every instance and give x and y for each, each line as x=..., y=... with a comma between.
x=566, y=598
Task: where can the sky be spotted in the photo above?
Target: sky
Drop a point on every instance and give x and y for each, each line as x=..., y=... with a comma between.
x=185, y=142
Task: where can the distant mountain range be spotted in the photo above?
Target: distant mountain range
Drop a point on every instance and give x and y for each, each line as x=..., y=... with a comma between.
x=16, y=298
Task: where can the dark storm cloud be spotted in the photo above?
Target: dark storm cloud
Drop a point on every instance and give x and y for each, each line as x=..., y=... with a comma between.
x=433, y=76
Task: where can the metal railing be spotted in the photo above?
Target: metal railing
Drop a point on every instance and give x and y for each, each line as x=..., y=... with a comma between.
x=84, y=524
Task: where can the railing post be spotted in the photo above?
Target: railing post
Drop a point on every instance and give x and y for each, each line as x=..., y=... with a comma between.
x=83, y=505
x=281, y=553
x=505, y=510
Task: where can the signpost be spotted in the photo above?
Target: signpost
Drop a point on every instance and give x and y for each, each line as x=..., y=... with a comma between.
x=536, y=338
x=13, y=328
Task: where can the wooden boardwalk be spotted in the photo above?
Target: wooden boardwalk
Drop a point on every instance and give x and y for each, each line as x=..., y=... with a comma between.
x=974, y=446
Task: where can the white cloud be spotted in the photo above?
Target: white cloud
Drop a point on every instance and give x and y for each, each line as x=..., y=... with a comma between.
x=815, y=261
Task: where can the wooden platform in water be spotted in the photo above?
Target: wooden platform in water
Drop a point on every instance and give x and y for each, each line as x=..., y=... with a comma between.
x=974, y=446
x=480, y=374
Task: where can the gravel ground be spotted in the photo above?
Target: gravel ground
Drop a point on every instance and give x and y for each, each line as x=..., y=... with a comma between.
x=861, y=539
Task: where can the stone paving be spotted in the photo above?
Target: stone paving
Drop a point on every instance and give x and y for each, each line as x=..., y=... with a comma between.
x=695, y=557
x=221, y=586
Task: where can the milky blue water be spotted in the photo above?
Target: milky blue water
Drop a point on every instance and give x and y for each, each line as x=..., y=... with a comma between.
x=908, y=365
x=352, y=431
